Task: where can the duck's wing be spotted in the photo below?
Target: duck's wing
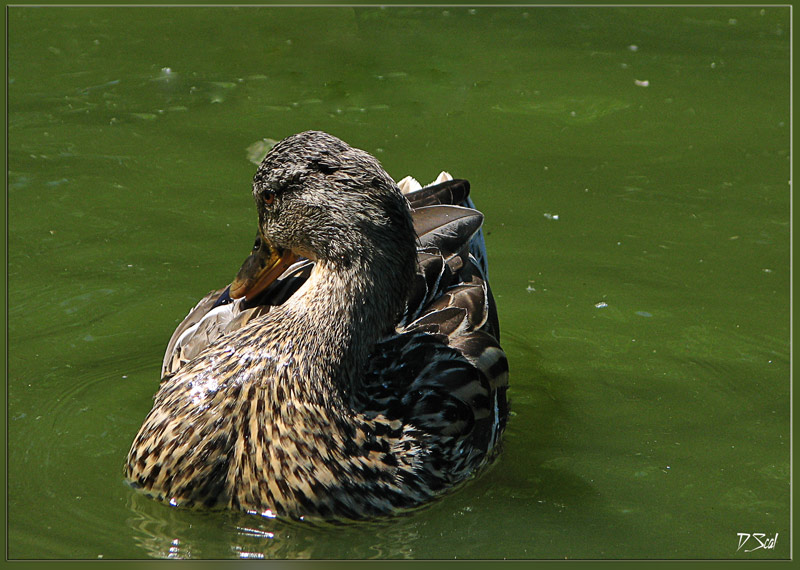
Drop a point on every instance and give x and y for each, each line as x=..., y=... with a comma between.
x=443, y=191
x=443, y=369
x=217, y=314
x=177, y=342
x=213, y=317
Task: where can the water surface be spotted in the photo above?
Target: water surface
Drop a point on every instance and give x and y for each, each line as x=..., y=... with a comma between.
x=633, y=167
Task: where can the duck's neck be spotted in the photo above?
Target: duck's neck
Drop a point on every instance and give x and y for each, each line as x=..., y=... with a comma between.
x=334, y=321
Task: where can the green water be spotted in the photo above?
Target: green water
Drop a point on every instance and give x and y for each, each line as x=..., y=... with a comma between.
x=633, y=167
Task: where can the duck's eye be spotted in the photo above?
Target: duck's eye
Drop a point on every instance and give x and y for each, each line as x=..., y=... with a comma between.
x=269, y=197
x=257, y=245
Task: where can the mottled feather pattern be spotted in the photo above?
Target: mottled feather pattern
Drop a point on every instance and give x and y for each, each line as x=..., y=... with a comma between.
x=326, y=425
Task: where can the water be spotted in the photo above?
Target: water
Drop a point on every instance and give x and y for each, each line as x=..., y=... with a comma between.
x=633, y=167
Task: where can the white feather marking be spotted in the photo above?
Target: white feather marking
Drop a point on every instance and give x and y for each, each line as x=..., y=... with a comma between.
x=408, y=184
x=443, y=177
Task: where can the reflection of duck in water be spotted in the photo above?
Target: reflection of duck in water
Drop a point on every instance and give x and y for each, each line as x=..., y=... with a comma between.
x=352, y=369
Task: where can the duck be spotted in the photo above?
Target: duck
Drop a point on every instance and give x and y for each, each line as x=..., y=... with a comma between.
x=352, y=369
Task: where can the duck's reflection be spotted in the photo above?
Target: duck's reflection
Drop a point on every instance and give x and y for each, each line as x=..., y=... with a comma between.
x=160, y=532
x=265, y=538
x=167, y=532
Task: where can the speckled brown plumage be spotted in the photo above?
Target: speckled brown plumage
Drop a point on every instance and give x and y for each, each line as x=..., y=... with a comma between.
x=366, y=379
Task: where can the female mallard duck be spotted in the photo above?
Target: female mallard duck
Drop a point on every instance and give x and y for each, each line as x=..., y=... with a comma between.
x=352, y=369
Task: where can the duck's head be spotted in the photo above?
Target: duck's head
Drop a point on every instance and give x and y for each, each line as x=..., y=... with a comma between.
x=319, y=198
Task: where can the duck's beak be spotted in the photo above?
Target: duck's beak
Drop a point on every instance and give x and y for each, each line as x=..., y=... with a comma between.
x=260, y=269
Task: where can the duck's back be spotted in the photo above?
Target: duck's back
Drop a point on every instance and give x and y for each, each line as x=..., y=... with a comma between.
x=443, y=368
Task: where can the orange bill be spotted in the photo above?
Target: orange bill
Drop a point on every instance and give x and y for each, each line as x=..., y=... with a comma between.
x=260, y=269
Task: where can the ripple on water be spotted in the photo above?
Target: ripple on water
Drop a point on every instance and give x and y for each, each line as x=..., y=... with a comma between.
x=66, y=452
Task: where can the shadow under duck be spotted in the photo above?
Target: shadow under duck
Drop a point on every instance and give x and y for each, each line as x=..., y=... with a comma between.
x=352, y=369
